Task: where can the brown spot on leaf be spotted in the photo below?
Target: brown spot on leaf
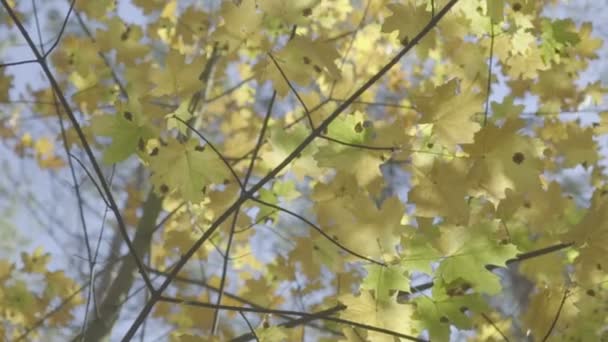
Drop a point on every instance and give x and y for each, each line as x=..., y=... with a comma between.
x=306, y=60
x=518, y=158
x=141, y=144
x=164, y=189
x=128, y=115
x=125, y=35
x=317, y=68
x=444, y=320
x=154, y=152
x=591, y=293
x=358, y=127
x=516, y=7
x=199, y=148
x=307, y=12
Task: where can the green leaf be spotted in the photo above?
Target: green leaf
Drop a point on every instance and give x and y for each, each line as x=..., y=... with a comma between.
x=187, y=168
x=438, y=312
x=182, y=113
x=467, y=251
x=383, y=279
x=129, y=132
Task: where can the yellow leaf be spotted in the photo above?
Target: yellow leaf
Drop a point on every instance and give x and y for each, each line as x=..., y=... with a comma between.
x=241, y=25
x=35, y=262
x=302, y=60
x=389, y=314
x=450, y=112
x=442, y=192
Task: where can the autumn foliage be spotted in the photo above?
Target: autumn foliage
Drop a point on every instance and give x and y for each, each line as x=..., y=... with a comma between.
x=309, y=170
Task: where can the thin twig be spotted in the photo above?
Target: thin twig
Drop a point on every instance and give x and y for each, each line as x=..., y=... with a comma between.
x=295, y=92
x=495, y=326
x=27, y=61
x=318, y=229
x=559, y=310
x=255, y=336
x=59, y=36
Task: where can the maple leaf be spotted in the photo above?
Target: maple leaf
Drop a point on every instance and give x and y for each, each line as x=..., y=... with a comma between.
x=129, y=131
x=450, y=113
x=95, y=9
x=587, y=46
x=58, y=284
x=590, y=238
x=506, y=109
x=123, y=38
x=578, y=147
x=361, y=162
x=419, y=253
x=150, y=5
x=557, y=34
x=282, y=143
x=438, y=312
x=177, y=77
x=35, y=262
x=542, y=308
x=187, y=168
x=382, y=279
x=302, y=60
x=503, y=159
x=241, y=25
x=408, y=20
x=442, y=192
x=295, y=12
x=359, y=225
x=466, y=252
x=387, y=314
